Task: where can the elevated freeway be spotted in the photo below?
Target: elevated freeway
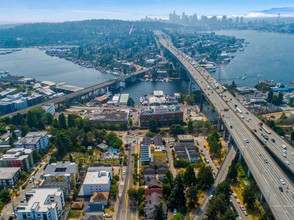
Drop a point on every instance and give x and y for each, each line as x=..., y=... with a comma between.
x=267, y=174
x=86, y=91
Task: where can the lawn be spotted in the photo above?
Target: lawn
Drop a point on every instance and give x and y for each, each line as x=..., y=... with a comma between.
x=238, y=188
x=75, y=214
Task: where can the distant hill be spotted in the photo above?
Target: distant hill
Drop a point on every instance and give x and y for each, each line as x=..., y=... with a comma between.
x=283, y=11
x=74, y=32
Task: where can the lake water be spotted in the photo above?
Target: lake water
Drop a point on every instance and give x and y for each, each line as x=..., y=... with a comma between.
x=33, y=62
x=268, y=54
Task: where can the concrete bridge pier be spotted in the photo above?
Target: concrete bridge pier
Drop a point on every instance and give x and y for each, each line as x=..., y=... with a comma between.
x=261, y=197
x=190, y=87
x=224, y=133
x=240, y=157
x=202, y=99
x=248, y=173
x=219, y=124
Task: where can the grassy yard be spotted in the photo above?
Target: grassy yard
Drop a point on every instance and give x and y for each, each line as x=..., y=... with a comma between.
x=238, y=188
x=75, y=214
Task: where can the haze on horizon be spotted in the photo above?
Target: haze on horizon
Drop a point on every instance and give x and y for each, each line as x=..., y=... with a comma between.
x=24, y=11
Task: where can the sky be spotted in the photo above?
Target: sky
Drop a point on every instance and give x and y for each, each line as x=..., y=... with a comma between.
x=23, y=11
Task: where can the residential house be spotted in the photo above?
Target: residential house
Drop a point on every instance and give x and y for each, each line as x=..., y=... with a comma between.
x=151, y=201
x=154, y=185
x=149, y=174
x=100, y=197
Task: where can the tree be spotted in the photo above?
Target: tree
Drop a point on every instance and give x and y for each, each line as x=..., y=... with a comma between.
x=132, y=193
x=37, y=157
x=190, y=177
x=113, y=191
x=48, y=118
x=166, y=190
x=71, y=121
x=168, y=178
x=205, y=177
x=75, y=193
x=229, y=215
x=55, y=124
x=249, y=196
x=190, y=127
x=178, y=216
x=150, y=134
x=176, y=129
x=158, y=212
x=31, y=119
x=233, y=172
x=292, y=135
x=130, y=102
x=224, y=188
x=62, y=121
x=216, y=206
x=270, y=96
x=214, y=143
x=177, y=197
x=192, y=196
x=152, y=123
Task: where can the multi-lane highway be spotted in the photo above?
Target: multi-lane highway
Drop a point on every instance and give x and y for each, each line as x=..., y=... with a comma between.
x=268, y=175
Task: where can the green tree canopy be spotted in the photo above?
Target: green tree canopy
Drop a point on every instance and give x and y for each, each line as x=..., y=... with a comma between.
x=205, y=177
x=190, y=177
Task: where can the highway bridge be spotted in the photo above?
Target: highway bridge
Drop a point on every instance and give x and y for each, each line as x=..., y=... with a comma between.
x=268, y=175
x=89, y=91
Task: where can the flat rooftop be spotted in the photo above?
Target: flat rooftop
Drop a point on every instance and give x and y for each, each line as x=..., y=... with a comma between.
x=38, y=200
x=60, y=169
x=97, y=177
x=108, y=115
x=7, y=173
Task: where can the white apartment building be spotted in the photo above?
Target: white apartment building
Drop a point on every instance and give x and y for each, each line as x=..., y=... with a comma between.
x=96, y=180
x=41, y=204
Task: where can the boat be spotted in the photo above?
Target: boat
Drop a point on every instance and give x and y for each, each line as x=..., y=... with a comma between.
x=259, y=75
x=243, y=78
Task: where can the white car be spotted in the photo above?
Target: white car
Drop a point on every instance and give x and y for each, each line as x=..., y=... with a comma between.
x=124, y=172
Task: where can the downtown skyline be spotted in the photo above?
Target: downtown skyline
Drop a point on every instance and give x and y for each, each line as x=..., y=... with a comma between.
x=26, y=11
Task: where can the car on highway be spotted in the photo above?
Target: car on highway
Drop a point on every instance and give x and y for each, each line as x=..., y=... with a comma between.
x=281, y=189
x=124, y=172
x=273, y=140
x=282, y=181
x=245, y=213
x=231, y=126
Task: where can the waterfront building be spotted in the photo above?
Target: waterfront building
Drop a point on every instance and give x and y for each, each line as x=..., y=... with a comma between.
x=34, y=140
x=8, y=176
x=123, y=100
x=41, y=203
x=18, y=157
x=165, y=115
x=110, y=116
